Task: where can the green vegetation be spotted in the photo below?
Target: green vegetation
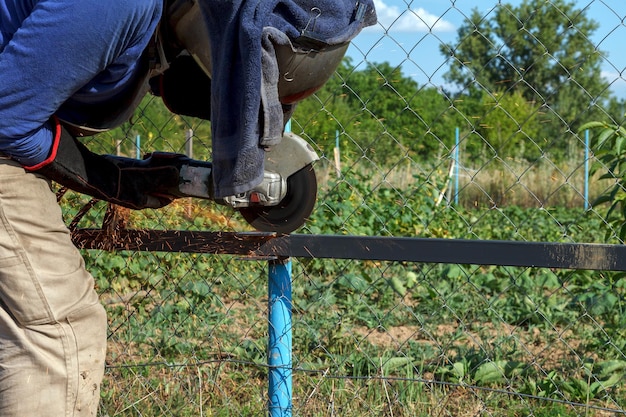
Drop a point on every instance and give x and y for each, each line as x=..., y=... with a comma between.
x=188, y=332
x=610, y=162
x=540, y=49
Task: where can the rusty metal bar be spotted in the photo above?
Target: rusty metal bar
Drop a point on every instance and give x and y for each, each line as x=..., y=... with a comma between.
x=223, y=243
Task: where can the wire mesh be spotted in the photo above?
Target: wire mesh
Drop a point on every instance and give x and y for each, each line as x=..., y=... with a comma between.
x=446, y=120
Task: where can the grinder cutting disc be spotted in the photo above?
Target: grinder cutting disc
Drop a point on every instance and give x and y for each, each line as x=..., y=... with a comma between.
x=293, y=210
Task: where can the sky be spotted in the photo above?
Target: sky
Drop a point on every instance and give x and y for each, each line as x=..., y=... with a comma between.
x=409, y=33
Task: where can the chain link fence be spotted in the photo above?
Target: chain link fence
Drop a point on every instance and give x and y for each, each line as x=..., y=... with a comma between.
x=464, y=123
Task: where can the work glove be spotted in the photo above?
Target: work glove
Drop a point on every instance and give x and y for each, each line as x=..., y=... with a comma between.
x=114, y=179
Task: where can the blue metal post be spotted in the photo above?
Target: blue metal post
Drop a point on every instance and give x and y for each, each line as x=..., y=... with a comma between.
x=457, y=141
x=280, y=339
x=587, y=169
x=138, y=147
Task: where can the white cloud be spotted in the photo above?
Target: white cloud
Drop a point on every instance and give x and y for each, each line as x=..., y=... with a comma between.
x=613, y=76
x=617, y=81
x=394, y=19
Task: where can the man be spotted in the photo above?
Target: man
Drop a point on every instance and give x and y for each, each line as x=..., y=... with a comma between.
x=52, y=326
x=63, y=65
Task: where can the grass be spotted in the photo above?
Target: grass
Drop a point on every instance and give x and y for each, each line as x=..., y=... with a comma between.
x=370, y=353
x=224, y=389
x=485, y=184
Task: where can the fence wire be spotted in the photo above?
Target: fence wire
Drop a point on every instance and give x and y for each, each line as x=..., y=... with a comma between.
x=459, y=123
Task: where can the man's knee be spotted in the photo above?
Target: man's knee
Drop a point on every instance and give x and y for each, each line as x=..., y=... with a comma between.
x=89, y=327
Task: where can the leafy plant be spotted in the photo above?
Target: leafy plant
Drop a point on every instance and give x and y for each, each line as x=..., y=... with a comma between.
x=610, y=155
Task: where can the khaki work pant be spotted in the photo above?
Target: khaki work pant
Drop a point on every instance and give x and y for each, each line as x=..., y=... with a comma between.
x=52, y=326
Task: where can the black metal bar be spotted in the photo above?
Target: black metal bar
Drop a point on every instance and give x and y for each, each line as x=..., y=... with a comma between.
x=479, y=252
x=454, y=251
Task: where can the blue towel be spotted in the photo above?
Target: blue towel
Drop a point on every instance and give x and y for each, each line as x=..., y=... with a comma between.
x=246, y=114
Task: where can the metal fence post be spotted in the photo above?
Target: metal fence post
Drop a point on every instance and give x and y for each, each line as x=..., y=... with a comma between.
x=280, y=338
x=457, y=143
x=138, y=147
x=587, y=152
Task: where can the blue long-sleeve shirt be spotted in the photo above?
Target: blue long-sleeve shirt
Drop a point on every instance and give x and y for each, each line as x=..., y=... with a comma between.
x=53, y=50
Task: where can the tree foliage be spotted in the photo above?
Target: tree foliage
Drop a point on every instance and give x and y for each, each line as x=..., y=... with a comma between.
x=539, y=49
x=380, y=114
x=509, y=126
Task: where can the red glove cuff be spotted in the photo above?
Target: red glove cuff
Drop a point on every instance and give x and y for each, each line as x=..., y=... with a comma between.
x=53, y=151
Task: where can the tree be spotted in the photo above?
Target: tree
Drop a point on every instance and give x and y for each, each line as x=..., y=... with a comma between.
x=382, y=114
x=541, y=49
x=510, y=125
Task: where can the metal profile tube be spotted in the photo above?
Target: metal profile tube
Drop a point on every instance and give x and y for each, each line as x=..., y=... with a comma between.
x=280, y=339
